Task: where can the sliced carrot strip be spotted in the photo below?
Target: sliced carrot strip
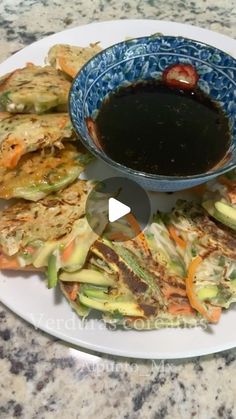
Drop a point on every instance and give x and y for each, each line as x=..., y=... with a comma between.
x=176, y=308
x=169, y=290
x=14, y=157
x=138, y=232
x=65, y=67
x=214, y=313
x=174, y=236
x=11, y=263
x=65, y=255
x=73, y=293
x=8, y=262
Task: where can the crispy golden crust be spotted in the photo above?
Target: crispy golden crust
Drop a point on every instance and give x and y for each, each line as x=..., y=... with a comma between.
x=222, y=238
x=214, y=236
x=21, y=134
x=69, y=58
x=48, y=219
x=34, y=89
x=218, y=237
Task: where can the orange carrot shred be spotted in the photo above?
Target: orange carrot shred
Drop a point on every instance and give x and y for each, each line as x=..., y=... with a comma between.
x=176, y=308
x=14, y=157
x=68, y=251
x=169, y=290
x=8, y=262
x=65, y=67
x=138, y=232
x=74, y=291
x=214, y=314
x=174, y=236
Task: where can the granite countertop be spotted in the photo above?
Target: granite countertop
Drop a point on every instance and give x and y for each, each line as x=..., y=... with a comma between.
x=42, y=376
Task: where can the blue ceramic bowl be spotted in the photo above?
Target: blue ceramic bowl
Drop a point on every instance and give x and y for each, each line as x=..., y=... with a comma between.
x=144, y=59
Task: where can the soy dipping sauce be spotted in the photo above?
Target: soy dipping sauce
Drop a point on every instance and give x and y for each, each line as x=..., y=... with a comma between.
x=154, y=128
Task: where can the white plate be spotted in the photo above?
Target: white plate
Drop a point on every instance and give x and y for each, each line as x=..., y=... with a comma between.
x=28, y=296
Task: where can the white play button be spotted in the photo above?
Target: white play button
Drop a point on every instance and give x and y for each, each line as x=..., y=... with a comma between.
x=111, y=202
x=116, y=210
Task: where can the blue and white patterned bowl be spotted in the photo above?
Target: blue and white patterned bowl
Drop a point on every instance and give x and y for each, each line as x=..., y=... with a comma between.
x=143, y=59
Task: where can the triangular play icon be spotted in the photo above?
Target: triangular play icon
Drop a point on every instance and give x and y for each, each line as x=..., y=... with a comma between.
x=117, y=210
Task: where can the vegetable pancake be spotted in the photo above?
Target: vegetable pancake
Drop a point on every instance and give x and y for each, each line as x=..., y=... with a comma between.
x=21, y=134
x=39, y=226
x=209, y=255
x=129, y=288
x=34, y=89
x=69, y=58
x=38, y=174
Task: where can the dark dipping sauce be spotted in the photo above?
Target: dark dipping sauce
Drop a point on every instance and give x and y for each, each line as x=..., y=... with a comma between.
x=154, y=128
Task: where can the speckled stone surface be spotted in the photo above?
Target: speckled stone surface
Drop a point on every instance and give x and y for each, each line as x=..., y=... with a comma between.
x=41, y=377
x=25, y=21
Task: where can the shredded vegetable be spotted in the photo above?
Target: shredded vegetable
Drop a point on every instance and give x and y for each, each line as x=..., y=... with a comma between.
x=214, y=313
x=173, y=234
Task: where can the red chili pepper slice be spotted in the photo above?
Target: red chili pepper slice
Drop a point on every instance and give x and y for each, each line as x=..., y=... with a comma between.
x=182, y=76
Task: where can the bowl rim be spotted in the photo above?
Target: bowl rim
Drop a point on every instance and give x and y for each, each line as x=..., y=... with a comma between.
x=122, y=168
